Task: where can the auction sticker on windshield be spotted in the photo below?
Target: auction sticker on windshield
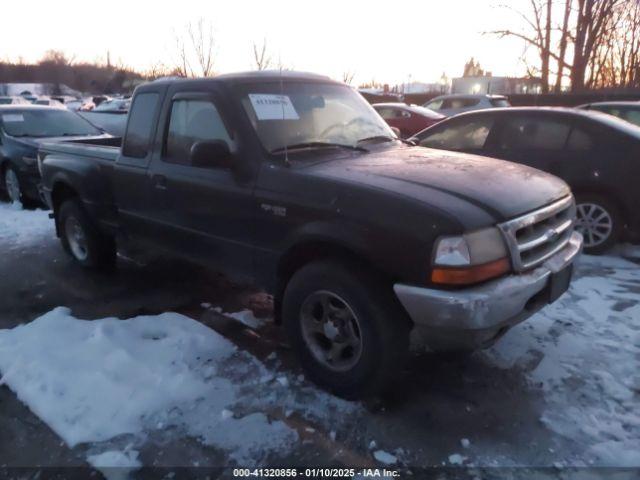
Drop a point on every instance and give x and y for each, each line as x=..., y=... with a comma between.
x=12, y=117
x=273, y=107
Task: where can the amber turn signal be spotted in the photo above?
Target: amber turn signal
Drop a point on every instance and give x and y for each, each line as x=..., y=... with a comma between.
x=471, y=274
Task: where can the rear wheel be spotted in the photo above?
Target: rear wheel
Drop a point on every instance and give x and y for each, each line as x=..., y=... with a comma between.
x=82, y=240
x=349, y=332
x=599, y=222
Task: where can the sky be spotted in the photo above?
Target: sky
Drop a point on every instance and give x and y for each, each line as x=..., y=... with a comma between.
x=391, y=42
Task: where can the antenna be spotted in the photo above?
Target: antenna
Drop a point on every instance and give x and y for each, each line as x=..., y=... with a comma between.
x=286, y=152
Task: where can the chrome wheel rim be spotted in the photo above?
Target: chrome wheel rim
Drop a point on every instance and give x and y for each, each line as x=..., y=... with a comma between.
x=331, y=331
x=13, y=185
x=76, y=238
x=595, y=224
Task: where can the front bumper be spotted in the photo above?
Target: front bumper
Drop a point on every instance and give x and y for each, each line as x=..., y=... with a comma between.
x=477, y=316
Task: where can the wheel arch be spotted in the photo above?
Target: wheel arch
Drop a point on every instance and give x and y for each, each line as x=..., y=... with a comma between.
x=607, y=193
x=312, y=249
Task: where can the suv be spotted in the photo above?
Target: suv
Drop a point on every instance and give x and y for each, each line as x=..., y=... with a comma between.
x=449, y=105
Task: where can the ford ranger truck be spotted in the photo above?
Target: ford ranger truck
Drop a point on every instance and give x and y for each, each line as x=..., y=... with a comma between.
x=293, y=182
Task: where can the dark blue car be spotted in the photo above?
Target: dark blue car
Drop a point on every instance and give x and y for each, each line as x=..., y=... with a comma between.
x=22, y=128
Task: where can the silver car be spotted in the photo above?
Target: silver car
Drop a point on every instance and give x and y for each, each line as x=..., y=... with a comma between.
x=449, y=105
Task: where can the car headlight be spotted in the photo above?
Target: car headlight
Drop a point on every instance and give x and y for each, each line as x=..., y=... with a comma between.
x=470, y=258
x=29, y=160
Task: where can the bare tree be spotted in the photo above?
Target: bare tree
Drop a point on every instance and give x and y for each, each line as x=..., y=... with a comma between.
x=600, y=36
x=195, y=49
x=347, y=77
x=261, y=56
x=593, y=16
x=564, y=40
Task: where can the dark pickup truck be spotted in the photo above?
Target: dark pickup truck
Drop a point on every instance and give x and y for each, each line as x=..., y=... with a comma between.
x=292, y=180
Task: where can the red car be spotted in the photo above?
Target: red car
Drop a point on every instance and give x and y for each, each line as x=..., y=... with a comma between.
x=409, y=119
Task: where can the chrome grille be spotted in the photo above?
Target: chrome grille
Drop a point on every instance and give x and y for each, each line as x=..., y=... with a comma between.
x=536, y=236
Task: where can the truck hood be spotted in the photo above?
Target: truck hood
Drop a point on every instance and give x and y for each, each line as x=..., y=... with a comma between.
x=446, y=180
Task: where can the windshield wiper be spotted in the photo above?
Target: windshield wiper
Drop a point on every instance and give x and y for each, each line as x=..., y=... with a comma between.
x=298, y=146
x=384, y=138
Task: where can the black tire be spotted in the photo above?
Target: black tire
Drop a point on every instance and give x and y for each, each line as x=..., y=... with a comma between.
x=100, y=248
x=591, y=202
x=5, y=191
x=382, y=324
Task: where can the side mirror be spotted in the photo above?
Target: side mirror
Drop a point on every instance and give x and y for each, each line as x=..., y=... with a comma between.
x=211, y=154
x=396, y=130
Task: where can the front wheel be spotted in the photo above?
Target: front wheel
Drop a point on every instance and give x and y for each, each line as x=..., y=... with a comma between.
x=12, y=185
x=82, y=240
x=349, y=332
x=599, y=222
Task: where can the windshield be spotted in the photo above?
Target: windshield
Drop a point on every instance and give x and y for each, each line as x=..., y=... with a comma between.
x=297, y=114
x=45, y=122
x=425, y=112
x=500, y=102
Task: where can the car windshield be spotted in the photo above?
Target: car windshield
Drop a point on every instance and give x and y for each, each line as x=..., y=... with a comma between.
x=45, y=122
x=311, y=115
x=425, y=112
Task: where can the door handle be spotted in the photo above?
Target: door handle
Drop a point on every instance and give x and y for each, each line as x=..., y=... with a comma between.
x=160, y=182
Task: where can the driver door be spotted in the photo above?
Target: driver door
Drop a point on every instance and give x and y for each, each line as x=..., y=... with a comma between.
x=205, y=213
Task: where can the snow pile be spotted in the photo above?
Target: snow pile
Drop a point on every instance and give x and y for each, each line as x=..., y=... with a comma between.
x=585, y=350
x=91, y=381
x=115, y=465
x=385, y=457
x=19, y=228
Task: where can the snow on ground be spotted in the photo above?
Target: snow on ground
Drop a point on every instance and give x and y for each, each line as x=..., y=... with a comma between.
x=585, y=352
x=115, y=464
x=22, y=228
x=96, y=381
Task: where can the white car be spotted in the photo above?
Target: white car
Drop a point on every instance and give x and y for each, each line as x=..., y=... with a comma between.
x=449, y=105
x=8, y=100
x=49, y=102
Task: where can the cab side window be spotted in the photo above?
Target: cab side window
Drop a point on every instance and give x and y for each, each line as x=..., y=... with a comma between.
x=468, y=135
x=192, y=121
x=138, y=136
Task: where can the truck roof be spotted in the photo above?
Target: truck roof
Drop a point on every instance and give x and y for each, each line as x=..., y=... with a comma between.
x=254, y=76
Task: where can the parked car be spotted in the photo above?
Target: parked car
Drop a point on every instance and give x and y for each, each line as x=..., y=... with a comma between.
x=596, y=154
x=111, y=123
x=13, y=100
x=292, y=180
x=22, y=128
x=408, y=119
x=114, y=105
x=629, y=111
x=449, y=105
x=49, y=102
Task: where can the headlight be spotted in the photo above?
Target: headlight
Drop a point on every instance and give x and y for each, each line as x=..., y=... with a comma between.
x=29, y=160
x=470, y=258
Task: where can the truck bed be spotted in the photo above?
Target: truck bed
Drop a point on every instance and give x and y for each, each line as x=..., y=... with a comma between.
x=97, y=148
